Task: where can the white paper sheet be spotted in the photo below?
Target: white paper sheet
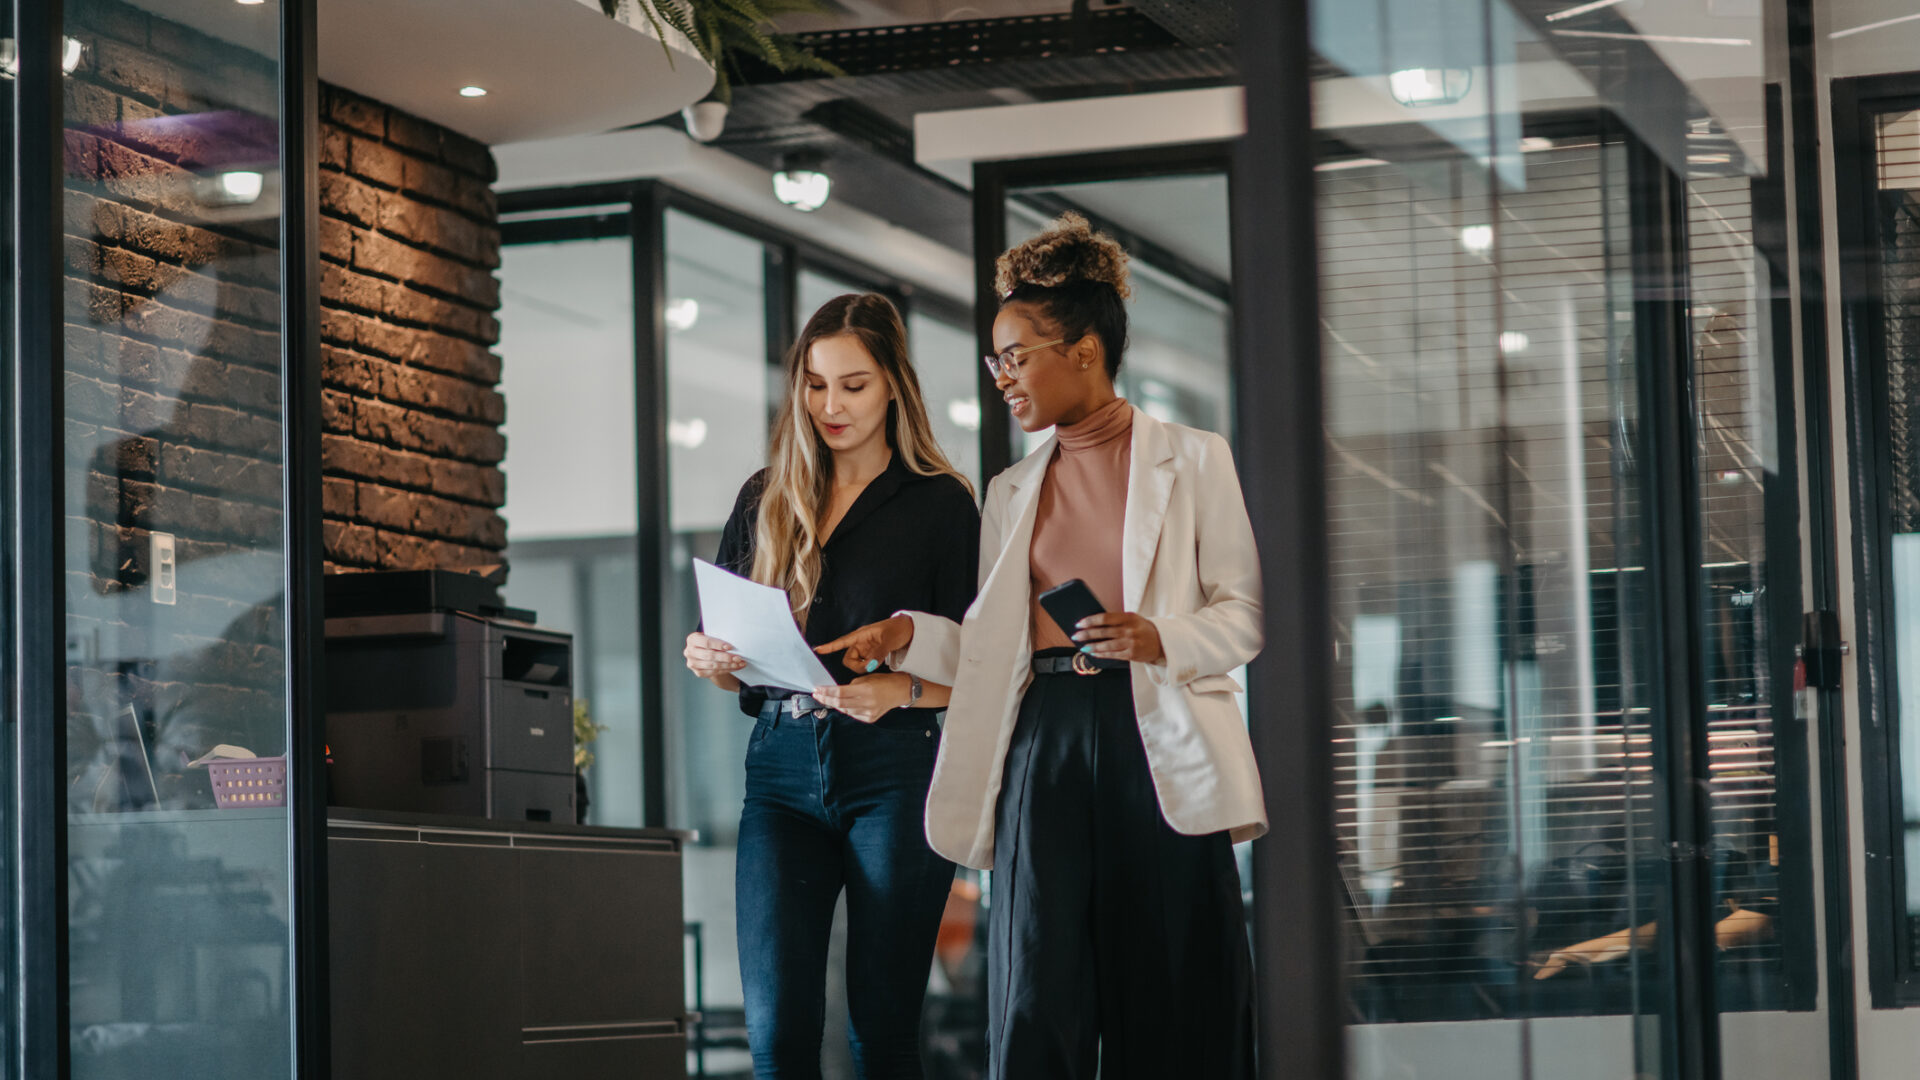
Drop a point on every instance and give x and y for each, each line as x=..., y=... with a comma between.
x=757, y=622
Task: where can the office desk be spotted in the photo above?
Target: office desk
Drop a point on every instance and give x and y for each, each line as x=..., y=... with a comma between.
x=479, y=949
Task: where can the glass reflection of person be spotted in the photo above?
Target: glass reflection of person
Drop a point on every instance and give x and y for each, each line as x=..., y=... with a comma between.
x=857, y=514
x=1103, y=778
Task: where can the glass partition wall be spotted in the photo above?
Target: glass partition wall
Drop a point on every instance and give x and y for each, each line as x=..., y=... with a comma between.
x=1572, y=783
x=178, y=744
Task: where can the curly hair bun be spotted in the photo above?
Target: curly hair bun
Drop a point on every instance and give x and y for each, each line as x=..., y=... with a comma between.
x=1068, y=251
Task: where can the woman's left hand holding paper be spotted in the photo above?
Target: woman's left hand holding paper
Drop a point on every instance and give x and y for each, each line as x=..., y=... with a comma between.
x=868, y=697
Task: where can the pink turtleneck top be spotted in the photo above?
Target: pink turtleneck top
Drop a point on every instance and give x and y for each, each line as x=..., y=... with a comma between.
x=1082, y=513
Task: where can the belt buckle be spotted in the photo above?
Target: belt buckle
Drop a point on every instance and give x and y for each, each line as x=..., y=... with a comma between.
x=1083, y=664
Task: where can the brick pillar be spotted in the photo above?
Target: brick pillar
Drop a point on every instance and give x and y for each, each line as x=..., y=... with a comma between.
x=410, y=240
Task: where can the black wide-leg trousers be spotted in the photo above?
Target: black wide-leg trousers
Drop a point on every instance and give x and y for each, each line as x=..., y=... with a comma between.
x=1116, y=945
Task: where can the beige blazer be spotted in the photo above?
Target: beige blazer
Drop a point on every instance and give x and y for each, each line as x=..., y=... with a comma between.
x=1188, y=564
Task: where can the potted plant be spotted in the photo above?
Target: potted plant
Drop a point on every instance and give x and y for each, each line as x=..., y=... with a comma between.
x=584, y=732
x=721, y=31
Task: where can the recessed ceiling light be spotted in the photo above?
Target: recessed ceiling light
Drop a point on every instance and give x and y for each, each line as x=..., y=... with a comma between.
x=473, y=91
x=251, y=3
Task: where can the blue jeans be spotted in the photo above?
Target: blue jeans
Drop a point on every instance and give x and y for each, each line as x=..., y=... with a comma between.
x=833, y=803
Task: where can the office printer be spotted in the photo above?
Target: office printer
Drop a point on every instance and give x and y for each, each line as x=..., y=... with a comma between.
x=440, y=699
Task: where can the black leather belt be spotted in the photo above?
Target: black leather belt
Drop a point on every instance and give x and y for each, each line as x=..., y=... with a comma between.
x=1077, y=664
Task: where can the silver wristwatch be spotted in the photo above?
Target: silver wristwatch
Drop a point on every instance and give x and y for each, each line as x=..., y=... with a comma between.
x=914, y=689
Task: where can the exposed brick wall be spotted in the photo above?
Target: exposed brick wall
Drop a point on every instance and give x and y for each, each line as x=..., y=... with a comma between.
x=410, y=237
x=172, y=375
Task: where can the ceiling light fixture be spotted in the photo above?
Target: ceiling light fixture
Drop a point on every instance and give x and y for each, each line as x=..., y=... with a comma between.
x=1513, y=341
x=1419, y=87
x=251, y=3
x=1477, y=238
x=800, y=183
x=687, y=434
x=1882, y=24
x=682, y=312
x=964, y=413
x=473, y=91
x=71, y=52
x=1664, y=39
x=1581, y=9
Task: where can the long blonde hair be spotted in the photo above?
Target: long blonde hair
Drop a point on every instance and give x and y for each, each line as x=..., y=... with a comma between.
x=787, y=535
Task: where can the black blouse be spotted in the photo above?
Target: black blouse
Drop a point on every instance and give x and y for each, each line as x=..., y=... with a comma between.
x=908, y=543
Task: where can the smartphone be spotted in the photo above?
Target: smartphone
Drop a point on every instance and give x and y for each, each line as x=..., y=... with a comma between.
x=1068, y=603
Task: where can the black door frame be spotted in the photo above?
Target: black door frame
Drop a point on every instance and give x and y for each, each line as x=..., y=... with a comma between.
x=37, y=559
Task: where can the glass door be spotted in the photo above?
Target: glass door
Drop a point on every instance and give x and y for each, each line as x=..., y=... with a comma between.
x=177, y=714
x=1573, y=791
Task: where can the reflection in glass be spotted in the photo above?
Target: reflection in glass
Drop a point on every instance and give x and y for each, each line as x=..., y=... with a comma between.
x=718, y=399
x=566, y=342
x=943, y=357
x=1733, y=403
x=178, y=944
x=1894, y=218
x=814, y=289
x=1494, y=803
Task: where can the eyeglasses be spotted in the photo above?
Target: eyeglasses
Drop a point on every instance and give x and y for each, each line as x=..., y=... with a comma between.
x=1010, y=361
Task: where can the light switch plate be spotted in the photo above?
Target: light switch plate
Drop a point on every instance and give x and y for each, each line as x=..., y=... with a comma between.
x=163, y=568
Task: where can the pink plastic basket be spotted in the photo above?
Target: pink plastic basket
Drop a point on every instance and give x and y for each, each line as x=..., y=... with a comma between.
x=248, y=782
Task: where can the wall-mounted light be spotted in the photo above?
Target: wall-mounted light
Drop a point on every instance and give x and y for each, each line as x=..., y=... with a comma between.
x=473, y=91
x=1477, y=238
x=682, y=312
x=1418, y=87
x=72, y=51
x=238, y=187
x=800, y=183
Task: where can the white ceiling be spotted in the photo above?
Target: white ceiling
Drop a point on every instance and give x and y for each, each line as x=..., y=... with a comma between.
x=551, y=67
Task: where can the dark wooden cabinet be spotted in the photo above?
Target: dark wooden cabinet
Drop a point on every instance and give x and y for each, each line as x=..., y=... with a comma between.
x=478, y=949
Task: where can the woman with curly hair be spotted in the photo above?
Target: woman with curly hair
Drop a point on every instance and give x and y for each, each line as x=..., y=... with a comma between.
x=1102, y=770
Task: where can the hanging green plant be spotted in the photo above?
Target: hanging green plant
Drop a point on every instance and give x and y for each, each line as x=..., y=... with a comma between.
x=721, y=31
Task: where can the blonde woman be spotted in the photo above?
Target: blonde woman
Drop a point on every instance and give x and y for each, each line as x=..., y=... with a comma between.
x=858, y=514
x=1101, y=770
